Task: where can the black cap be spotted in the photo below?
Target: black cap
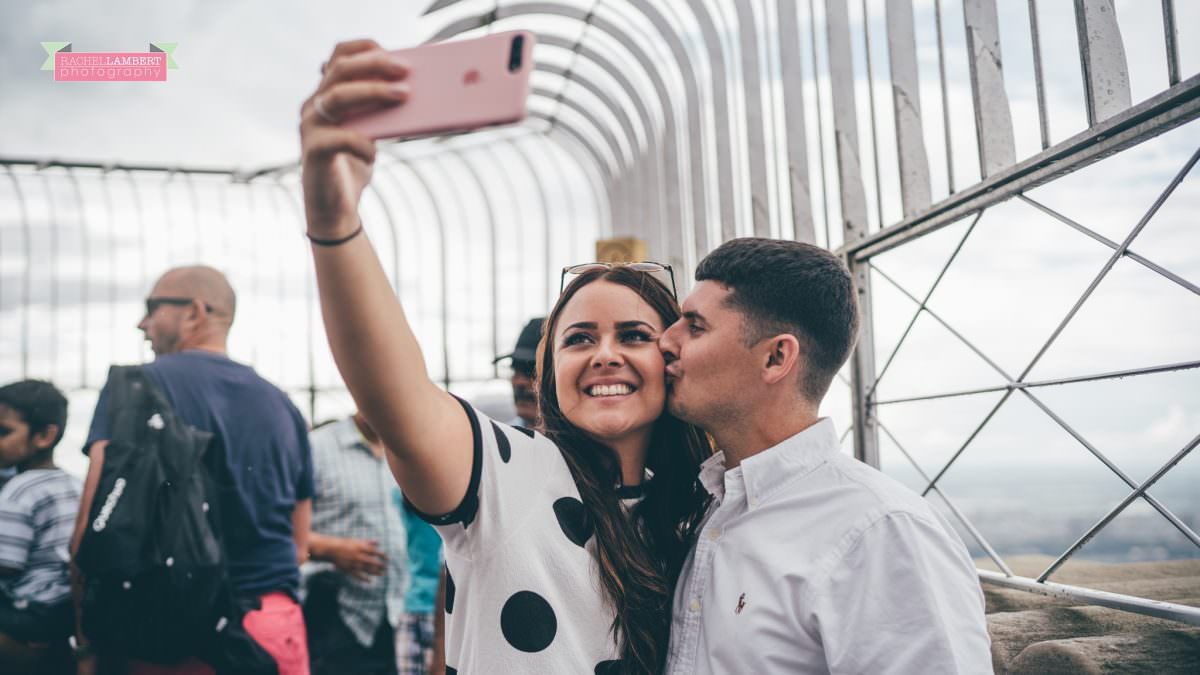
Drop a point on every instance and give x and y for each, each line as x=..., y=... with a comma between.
x=526, y=349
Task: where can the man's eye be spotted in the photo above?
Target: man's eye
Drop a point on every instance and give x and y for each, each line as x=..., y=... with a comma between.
x=694, y=329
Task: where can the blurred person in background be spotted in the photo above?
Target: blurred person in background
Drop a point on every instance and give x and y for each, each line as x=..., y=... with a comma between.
x=523, y=361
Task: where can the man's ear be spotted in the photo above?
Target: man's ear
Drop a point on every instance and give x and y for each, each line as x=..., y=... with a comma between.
x=45, y=438
x=782, y=358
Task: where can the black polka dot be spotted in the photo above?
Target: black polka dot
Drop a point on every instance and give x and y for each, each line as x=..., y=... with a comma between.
x=574, y=520
x=528, y=622
x=449, y=592
x=609, y=668
x=451, y=670
x=525, y=430
x=502, y=443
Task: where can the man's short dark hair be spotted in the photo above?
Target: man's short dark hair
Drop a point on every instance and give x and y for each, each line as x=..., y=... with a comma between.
x=784, y=286
x=39, y=404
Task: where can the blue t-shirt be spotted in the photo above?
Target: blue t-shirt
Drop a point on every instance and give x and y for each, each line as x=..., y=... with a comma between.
x=263, y=453
x=424, y=560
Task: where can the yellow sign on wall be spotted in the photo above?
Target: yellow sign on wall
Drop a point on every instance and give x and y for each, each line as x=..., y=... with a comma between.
x=620, y=250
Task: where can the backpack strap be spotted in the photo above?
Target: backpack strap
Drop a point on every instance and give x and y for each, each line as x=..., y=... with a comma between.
x=127, y=394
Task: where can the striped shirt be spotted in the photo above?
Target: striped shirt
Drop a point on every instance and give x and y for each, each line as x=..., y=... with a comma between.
x=37, y=514
x=354, y=498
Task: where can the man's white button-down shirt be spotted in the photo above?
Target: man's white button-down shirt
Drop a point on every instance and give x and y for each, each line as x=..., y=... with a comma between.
x=812, y=562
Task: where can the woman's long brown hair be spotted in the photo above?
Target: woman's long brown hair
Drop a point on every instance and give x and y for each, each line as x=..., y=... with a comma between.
x=639, y=553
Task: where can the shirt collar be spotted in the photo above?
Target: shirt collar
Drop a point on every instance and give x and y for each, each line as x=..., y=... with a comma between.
x=348, y=436
x=771, y=469
x=712, y=474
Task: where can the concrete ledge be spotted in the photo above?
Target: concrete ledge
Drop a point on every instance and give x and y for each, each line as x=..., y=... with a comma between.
x=1164, y=653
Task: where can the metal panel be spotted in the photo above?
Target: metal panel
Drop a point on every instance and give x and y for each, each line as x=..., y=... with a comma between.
x=791, y=68
x=755, y=140
x=915, y=191
x=993, y=119
x=845, y=121
x=1102, y=56
x=854, y=222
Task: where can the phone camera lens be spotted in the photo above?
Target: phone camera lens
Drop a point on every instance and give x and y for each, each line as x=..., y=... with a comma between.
x=515, y=53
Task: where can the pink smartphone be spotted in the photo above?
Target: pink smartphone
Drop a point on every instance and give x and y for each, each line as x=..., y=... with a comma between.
x=458, y=86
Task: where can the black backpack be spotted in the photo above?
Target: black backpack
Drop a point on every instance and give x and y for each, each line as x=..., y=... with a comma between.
x=156, y=584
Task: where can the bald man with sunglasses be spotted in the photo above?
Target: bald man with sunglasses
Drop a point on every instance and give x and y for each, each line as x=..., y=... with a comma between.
x=263, y=455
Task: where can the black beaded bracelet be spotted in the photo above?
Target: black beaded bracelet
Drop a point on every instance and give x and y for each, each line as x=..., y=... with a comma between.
x=336, y=242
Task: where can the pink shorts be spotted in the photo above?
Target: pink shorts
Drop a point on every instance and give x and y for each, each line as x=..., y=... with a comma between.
x=278, y=626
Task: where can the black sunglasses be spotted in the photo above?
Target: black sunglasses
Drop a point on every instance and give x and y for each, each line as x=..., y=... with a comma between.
x=154, y=303
x=647, y=267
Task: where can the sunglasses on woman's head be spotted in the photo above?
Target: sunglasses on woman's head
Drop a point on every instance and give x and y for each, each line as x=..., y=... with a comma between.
x=647, y=267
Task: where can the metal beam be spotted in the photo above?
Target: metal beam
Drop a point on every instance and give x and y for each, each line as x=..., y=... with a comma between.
x=1178, y=105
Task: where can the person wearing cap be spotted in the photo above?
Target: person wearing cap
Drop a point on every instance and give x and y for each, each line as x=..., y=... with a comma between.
x=524, y=366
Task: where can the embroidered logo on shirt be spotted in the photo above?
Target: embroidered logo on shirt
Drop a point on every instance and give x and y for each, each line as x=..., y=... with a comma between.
x=741, y=604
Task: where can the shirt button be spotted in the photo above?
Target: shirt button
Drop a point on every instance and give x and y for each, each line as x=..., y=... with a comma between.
x=695, y=605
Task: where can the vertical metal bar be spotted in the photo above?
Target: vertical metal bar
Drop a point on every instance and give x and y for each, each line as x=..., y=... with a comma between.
x=391, y=223
x=854, y=223
x=572, y=220
x=812, y=27
x=112, y=263
x=252, y=209
x=490, y=209
x=1102, y=58
x=168, y=217
x=725, y=127
x=1038, y=79
x=53, y=280
x=141, y=220
x=519, y=239
x=26, y=271
x=310, y=302
x=791, y=66
x=866, y=19
x=699, y=217
x=757, y=145
x=845, y=122
x=915, y=188
x=1171, y=36
x=84, y=242
x=547, y=289
x=193, y=201
x=993, y=119
x=281, y=290
x=443, y=256
x=941, y=43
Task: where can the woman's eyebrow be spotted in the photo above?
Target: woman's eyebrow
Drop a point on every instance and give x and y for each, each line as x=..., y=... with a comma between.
x=634, y=324
x=587, y=325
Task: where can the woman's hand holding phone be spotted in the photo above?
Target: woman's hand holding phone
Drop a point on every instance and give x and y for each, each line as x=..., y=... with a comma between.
x=336, y=161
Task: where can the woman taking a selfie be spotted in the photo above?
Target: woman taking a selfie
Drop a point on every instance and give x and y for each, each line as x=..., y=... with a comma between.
x=562, y=545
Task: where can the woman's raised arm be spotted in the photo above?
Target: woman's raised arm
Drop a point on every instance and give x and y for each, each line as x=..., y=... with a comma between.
x=425, y=430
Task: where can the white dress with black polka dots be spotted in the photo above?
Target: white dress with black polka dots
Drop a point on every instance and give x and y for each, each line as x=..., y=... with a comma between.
x=523, y=588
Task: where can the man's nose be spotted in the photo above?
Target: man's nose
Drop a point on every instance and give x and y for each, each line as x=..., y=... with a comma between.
x=667, y=344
